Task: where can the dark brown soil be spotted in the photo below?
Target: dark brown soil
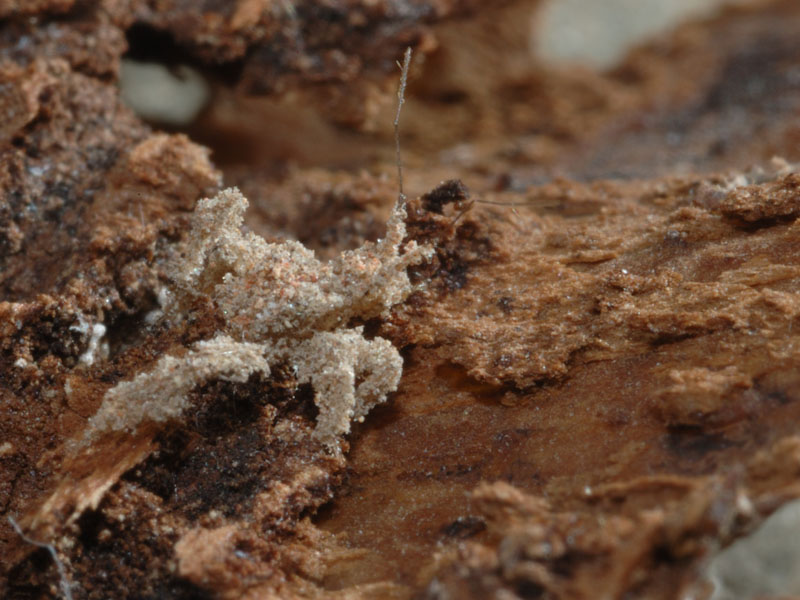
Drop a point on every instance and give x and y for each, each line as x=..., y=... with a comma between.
x=600, y=386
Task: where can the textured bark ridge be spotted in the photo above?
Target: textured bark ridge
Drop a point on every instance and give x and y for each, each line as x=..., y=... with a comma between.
x=567, y=367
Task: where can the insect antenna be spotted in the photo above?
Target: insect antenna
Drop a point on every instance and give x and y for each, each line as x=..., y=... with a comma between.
x=512, y=204
x=401, y=98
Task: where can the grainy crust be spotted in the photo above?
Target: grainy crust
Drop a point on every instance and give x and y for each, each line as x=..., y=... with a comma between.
x=599, y=378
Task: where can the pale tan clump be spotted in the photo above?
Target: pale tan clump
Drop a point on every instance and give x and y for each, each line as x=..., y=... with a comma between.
x=332, y=362
x=281, y=306
x=268, y=290
x=161, y=393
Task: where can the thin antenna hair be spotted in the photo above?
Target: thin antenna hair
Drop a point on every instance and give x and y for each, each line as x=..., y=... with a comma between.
x=62, y=572
x=401, y=98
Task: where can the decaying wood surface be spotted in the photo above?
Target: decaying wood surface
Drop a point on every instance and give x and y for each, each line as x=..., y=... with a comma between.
x=594, y=293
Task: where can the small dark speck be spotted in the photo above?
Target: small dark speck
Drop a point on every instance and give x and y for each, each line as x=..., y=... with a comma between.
x=464, y=527
x=506, y=304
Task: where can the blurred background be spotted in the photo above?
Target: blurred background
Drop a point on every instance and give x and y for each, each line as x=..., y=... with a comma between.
x=524, y=67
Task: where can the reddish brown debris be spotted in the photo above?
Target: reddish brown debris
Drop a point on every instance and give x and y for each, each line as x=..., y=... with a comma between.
x=33, y=7
x=276, y=42
x=600, y=386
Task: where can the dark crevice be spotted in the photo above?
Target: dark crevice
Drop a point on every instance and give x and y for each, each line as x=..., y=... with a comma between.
x=149, y=44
